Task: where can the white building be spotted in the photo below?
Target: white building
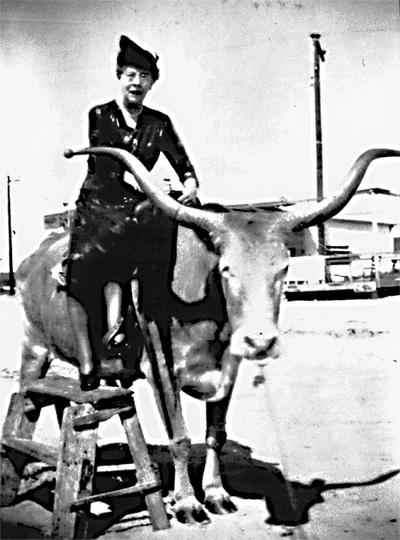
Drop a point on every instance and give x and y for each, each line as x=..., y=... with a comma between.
x=370, y=223
x=368, y=229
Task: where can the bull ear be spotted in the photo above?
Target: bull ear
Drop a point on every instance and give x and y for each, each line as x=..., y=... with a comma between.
x=190, y=276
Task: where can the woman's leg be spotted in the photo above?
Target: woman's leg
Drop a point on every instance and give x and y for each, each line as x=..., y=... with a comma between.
x=113, y=296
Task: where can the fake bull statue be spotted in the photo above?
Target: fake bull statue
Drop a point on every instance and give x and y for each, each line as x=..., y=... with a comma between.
x=227, y=286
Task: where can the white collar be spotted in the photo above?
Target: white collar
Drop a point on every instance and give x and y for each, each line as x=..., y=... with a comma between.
x=130, y=119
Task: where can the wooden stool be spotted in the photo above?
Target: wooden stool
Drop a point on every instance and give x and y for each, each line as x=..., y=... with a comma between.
x=75, y=458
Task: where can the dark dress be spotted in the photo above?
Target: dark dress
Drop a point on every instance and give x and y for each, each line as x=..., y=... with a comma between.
x=107, y=243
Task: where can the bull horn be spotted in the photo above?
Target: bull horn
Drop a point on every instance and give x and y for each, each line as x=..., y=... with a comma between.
x=330, y=206
x=170, y=207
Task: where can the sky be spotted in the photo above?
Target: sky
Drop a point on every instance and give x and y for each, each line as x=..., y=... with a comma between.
x=236, y=78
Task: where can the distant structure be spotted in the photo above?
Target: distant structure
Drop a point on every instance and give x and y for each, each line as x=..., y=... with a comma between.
x=370, y=223
x=58, y=219
x=362, y=251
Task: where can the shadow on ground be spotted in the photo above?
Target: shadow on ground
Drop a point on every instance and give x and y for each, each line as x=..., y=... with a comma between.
x=287, y=503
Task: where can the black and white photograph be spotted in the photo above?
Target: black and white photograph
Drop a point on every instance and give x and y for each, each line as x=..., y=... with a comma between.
x=200, y=269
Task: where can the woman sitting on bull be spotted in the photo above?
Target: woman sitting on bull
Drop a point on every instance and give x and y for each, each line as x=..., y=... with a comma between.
x=107, y=243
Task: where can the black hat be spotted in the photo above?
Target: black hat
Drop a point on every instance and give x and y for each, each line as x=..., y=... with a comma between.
x=131, y=54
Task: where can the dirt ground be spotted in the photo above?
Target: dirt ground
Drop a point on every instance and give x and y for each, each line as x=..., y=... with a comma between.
x=313, y=453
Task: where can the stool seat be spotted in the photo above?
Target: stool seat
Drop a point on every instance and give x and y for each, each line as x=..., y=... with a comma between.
x=74, y=459
x=67, y=388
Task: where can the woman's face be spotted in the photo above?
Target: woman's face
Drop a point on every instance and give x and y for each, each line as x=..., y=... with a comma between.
x=135, y=83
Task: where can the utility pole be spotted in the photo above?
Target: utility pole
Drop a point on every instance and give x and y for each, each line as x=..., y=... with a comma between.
x=11, y=276
x=319, y=55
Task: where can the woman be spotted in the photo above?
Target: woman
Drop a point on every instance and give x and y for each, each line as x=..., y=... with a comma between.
x=106, y=241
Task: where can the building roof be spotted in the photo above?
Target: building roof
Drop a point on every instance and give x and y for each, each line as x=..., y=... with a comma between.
x=374, y=204
x=371, y=204
x=378, y=191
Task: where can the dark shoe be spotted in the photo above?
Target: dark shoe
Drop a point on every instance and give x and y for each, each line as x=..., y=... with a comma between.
x=91, y=381
x=127, y=379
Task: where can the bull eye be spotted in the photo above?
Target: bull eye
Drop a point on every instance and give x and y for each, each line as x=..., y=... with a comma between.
x=225, y=271
x=228, y=275
x=216, y=241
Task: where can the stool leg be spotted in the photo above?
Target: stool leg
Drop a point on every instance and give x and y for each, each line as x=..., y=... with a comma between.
x=16, y=424
x=75, y=471
x=60, y=405
x=145, y=470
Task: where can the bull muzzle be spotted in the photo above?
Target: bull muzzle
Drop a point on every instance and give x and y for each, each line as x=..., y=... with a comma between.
x=255, y=345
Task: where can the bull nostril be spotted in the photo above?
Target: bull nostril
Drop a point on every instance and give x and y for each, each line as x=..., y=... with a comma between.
x=248, y=341
x=253, y=342
x=271, y=343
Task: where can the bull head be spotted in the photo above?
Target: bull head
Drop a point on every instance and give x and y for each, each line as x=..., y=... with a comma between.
x=251, y=249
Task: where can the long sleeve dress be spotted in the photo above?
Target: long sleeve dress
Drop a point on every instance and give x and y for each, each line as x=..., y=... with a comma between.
x=107, y=243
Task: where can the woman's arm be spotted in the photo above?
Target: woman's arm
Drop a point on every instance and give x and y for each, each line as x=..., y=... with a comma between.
x=174, y=151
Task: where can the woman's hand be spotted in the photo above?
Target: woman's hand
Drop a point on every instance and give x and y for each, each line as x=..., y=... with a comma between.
x=166, y=185
x=189, y=192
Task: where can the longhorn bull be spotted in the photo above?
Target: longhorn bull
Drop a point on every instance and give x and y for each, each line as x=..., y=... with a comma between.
x=228, y=279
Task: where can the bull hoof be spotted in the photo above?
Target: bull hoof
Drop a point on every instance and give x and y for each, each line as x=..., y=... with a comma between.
x=190, y=511
x=91, y=381
x=219, y=502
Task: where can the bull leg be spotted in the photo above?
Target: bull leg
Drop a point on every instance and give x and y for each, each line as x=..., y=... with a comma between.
x=186, y=507
x=216, y=499
x=35, y=360
x=167, y=396
x=79, y=321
